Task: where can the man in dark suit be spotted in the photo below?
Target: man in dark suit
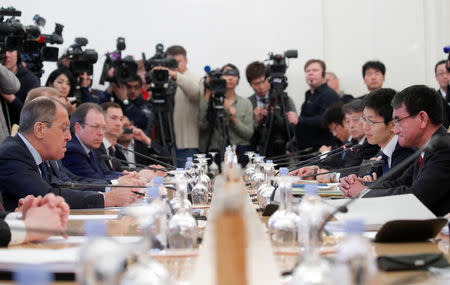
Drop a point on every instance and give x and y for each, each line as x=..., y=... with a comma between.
x=379, y=130
x=443, y=78
x=113, y=122
x=88, y=126
x=43, y=133
x=310, y=132
x=417, y=117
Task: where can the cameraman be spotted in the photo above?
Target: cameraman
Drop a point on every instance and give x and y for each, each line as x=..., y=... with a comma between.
x=129, y=97
x=186, y=107
x=13, y=103
x=258, y=80
x=238, y=119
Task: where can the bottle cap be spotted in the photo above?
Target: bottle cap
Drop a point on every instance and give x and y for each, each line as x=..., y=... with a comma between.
x=310, y=189
x=354, y=226
x=32, y=274
x=284, y=171
x=189, y=158
x=95, y=229
x=158, y=180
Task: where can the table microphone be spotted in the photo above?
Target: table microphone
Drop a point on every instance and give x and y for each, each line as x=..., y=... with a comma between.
x=119, y=146
x=375, y=163
x=108, y=157
x=328, y=156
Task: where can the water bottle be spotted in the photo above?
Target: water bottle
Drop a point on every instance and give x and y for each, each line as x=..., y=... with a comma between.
x=102, y=259
x=313, y=269
x=354, y=261
x=284, y=171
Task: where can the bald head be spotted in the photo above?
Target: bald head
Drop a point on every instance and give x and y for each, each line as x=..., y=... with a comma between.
x=42, y=91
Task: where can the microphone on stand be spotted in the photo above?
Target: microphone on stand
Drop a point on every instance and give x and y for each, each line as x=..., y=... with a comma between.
x=119, y=146
x=108, y=157
x=328, y=156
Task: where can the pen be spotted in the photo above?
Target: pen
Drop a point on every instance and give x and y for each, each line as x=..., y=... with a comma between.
x=138, y=193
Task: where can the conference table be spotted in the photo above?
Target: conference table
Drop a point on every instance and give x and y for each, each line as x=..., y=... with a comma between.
x=180, y=263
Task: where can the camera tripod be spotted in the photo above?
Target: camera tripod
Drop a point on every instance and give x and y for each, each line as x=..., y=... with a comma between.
x=164, y=126
x=276, y=109
x=219, y=124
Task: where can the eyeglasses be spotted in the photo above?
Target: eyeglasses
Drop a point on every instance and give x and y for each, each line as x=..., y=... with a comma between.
x=368, y=121
x=397, y=120
x=96, y=127
x=441, y=73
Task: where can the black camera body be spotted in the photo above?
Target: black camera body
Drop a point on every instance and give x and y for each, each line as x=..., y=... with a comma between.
x=218, y=87
x=276, y=69
x=28, y=40
x=159, y=80
x=81, y=60
x=124, y=67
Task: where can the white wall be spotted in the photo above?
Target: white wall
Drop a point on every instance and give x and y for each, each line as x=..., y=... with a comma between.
x=407, y=35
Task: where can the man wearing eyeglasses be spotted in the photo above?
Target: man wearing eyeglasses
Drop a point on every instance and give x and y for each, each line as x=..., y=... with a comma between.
x=379, y=130
x=417, y=117
x=42, y=137
x=443, y=78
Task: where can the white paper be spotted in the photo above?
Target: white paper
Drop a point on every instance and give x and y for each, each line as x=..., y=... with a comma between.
x=377, y=211
x=82, y=239
x=57, y=260
x=93, y=217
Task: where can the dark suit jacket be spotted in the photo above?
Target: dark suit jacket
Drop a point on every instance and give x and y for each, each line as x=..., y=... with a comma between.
x=20, y=176
x=400, y=153
x=5, y=232
x=104, y=163
x=78, y=162
x=59, y=174
x=446, y=109
x=310, y=130
x=430, y=182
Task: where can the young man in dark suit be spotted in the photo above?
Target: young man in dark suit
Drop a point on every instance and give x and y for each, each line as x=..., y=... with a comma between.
x=443, y=79
x=417, y=117
x=379, y=130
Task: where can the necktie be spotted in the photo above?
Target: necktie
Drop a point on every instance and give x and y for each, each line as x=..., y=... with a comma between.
x=94, y=164
x=44, y=171
x=420, y=161
x=385, y=165
x=111, y=151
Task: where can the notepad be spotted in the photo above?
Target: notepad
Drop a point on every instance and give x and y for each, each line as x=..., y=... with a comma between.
x=93, y=217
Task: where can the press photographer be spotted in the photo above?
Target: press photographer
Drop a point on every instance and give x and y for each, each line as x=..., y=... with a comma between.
x=15, y=42
x=80, y=62
x=274, y=111
x=184, y=106
x=230, y=124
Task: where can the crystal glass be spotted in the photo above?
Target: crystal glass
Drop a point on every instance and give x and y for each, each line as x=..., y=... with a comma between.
x=213, y=167
x=202, y=176
x=200, y=191
x=250, y=168
x=183, y=230
x=283, y=223
x=265, y=189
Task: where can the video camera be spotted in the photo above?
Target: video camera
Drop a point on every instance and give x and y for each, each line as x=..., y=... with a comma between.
x=81, y=61
x=124, y=68
x=277, y=66
x=28, y=40
x=217, y=85
x=447, y=64
x=158, y=79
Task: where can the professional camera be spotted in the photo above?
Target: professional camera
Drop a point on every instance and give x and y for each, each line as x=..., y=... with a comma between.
x=277, y=66
x=124, y=68
x=217, y=85
x=447, y=64
x=81, y=60
x=158, y=79
x=28, y=40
